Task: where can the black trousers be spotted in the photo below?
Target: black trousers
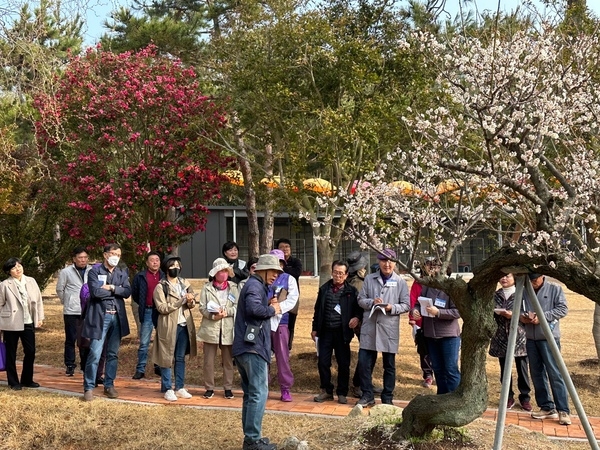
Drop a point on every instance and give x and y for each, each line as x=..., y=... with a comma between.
x=522, y=378
x=11, y=340
x=331, y=341
x=71, y=324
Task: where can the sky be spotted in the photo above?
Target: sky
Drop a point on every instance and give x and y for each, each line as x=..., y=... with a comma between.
x=99, y=11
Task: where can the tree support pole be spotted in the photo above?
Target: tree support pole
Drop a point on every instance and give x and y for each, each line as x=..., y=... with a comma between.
x=561, y=365
x=508, y=363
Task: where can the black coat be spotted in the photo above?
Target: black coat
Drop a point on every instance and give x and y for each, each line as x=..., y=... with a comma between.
x=348, y=305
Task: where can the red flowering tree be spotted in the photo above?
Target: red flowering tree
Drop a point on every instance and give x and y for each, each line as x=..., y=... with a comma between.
x=128, y=139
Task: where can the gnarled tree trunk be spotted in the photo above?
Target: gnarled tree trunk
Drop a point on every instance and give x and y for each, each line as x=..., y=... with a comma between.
x=469, y=401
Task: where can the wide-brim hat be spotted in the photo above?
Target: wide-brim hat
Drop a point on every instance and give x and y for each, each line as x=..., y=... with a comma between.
x=356, y=261
x=218, y=265
x=268, y=262
x=166, y=262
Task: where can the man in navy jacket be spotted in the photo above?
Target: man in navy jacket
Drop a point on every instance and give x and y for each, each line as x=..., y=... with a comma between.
x=105, y=319
x=252, y=358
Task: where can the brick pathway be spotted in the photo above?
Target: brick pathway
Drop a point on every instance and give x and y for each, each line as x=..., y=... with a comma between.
x=148, y=391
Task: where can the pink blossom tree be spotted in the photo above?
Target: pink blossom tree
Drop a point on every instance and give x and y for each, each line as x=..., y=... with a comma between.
x=127, y=138
x=511, y=147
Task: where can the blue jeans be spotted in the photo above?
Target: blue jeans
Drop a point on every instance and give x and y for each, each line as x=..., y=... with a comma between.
x=366, y=361
x=254, y=372
x=443, y=353
x=111, y=332
x=145, y=335
x=543, y=368
x=181, y=344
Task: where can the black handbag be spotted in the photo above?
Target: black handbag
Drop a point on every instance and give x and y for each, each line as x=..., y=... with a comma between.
x=251, y=334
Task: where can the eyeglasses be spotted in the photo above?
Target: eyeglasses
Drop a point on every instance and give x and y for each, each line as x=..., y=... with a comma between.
x=337, y=272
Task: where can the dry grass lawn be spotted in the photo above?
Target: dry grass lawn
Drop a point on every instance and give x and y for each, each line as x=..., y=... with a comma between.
x=38, y=420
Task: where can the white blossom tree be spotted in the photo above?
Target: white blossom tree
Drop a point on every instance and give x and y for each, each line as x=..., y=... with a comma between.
x=511, y=147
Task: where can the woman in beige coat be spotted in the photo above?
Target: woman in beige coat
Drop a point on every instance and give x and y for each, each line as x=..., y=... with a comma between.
x=21, y=311
x=175, y=331
x=218, y=304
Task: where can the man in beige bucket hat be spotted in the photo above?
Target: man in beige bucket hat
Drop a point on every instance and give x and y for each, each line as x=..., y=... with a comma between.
x=252, y=348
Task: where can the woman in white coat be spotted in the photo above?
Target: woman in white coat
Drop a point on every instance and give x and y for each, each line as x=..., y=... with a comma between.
x=218, y=304
x=21, y=312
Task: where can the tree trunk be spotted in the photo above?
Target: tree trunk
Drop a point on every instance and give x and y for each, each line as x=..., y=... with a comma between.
x=469, y=401
x=266, y=242
x=250, y=195
x=325, y=252
x=596, y=329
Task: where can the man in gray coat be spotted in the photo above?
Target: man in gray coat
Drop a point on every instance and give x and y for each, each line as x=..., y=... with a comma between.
x=384, y=296
x=68, y=287
x=553, y=402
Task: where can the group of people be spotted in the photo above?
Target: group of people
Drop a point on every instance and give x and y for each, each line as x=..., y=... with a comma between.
x=248, y=312
x=269, y=293
x=532, y=347
x=369, y=307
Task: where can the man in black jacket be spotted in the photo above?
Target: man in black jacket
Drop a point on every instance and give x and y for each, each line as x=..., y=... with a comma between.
x=336, y=314
x=293, y=266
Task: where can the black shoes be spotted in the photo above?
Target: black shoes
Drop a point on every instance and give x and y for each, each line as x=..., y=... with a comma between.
x=261, y=444
x=209, y=394
x=99, y=381
x=16, y=387
x=138, y=375
x=33, y=384
x=70, y=371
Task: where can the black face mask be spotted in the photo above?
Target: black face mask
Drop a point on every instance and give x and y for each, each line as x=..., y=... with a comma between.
x=173, y=272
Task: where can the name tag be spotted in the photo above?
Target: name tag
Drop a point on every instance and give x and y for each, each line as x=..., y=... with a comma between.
x=338, y=309
x=392, y=283
x=440, y=303
x=102, y=280
x=231, y=298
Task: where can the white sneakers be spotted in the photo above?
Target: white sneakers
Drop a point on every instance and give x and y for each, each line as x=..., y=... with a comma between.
x=170, y=395
x=182, y=393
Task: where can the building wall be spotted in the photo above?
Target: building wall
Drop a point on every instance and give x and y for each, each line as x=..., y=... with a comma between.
x=198, y=254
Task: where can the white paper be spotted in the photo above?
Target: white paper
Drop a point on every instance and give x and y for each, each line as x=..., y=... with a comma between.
x=213, y=307
x=425, y=302
x=380, y=307
x=499, y=310
x=317, y=344
x=102, y=280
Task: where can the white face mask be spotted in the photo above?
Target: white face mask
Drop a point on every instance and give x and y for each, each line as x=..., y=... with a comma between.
x=113, y=261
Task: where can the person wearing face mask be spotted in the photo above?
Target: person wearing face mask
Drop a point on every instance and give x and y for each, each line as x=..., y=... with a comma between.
x=218, y=303
x=175, y=332
x=105, y=319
